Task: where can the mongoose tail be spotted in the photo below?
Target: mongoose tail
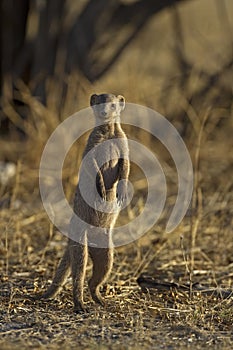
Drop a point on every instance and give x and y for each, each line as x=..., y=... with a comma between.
x=59, y=279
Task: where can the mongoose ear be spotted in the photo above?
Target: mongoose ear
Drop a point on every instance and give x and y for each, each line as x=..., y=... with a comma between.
x=94, y=99
x=121, y=100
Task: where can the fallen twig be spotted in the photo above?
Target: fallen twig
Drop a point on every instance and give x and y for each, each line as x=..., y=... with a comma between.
x=147, y=282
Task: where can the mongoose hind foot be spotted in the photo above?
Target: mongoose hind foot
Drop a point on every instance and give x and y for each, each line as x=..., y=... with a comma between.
x=79, y=307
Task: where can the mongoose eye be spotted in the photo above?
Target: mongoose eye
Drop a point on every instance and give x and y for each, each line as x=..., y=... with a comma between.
x=121, y=101
x=113, y=106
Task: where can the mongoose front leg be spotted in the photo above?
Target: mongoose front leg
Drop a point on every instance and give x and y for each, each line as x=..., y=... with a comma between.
x=122, y=184
x=100, y=182
x=78, y=258
x=101, y=187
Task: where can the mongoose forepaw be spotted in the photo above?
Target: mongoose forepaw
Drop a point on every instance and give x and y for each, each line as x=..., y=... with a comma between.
x=121, y=192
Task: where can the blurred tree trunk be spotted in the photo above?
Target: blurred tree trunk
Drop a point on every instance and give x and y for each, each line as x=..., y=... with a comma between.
x=13, y=22
x=46, y=43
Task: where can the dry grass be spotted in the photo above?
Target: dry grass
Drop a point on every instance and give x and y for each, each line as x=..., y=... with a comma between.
x=30, y=246
x=199, y=250
x=130, y=317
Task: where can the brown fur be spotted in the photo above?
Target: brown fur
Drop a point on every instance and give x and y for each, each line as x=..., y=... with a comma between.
x=107, y=110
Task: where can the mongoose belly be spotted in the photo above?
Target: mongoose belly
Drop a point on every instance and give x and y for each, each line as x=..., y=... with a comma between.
x=91, y=215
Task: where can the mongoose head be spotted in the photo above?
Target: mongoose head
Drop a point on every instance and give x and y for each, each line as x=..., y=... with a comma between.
x=107, y=107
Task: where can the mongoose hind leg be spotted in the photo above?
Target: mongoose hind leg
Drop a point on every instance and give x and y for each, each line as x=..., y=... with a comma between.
x=78, y=258
x=102, y=264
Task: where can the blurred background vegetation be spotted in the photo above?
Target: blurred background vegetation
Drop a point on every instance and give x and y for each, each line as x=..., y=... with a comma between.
x=175, y=56
x=172, y=55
